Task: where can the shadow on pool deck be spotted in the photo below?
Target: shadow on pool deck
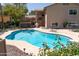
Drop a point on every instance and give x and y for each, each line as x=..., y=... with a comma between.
x=14, y=51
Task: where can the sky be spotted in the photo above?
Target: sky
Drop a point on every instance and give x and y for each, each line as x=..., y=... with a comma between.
x=33, y=6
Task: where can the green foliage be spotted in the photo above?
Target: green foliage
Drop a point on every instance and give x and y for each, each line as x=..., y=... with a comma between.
x=16, y=11
x=72, y=49
x=75, y=30
x=16, y=22
x=8, y=9
x=45, y=48
x=65, y=24
x=32, y=13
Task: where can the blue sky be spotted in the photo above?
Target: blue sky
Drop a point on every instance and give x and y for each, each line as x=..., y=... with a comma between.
x=33, y=6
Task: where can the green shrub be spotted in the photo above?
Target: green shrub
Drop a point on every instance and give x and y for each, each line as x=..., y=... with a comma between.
x=72, y=49
x=65, y=24
x=75, y=30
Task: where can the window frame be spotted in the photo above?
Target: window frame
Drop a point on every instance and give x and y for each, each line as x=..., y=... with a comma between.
x=74, y=12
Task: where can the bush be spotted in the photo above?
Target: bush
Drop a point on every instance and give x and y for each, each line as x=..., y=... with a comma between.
x=72, y=49
x=65, y=24
x=16, y=22
x=75, y=30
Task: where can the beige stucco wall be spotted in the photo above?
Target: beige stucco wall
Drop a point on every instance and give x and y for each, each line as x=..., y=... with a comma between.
x=60, y=13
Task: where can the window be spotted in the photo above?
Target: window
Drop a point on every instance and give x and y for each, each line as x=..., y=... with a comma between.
x=72, y=12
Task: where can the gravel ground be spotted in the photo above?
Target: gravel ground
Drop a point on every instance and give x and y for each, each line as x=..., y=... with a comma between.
x=14, y=51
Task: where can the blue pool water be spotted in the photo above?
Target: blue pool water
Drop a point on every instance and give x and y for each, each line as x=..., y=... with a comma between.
x=37, y=38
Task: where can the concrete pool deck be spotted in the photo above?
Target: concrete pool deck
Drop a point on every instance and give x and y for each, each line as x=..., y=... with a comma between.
x=33, y=49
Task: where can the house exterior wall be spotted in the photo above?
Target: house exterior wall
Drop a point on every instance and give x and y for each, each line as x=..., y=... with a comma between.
x=58, y=13
x=40, y=18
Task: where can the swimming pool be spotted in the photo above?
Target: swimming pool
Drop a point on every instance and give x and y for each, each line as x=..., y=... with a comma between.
x=37, y=38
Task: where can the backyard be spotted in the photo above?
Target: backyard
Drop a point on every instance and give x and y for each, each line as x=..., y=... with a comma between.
x=22, y=34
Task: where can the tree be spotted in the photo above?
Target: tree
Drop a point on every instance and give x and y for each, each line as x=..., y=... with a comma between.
x=16, y=11
x=32, y=13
